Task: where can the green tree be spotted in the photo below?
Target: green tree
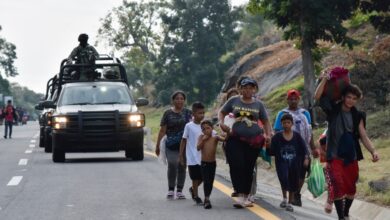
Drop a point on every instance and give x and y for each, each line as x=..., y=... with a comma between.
x=308, y=21
x=7, y=57
x=25, y=98
x=379, y=11
x=196, y=35
x=133, y=30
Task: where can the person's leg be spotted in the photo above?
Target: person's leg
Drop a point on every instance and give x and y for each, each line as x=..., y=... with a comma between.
x=250, y=157
x=181, y=177
x=337, y=174
x=235, y=159
x=351, y=177
x=254, y=184
x=10, y=129
x=208, y=172
x=339, y=204
x=172, y=169
x=5, y=128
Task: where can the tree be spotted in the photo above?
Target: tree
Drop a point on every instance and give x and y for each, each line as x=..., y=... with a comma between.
x=379, y=11
x=132, y=28
x=7, y=57
x=309, y=21
x=196, y=35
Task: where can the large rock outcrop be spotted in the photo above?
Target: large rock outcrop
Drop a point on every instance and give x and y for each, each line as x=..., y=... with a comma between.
x=271, y=66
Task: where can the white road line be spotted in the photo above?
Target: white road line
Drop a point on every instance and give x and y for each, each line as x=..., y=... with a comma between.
x=28, y=152
x=15, y=181
x=33, y=141
x=32, y=145
x=23, y=162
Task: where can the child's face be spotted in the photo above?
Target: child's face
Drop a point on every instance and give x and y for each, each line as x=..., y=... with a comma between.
x=287, y=124
x=199, y=115
x=207, y=129
x=350, y=100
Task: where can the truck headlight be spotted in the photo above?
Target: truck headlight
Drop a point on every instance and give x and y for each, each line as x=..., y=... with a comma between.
x=60, y=122
x=137, y=120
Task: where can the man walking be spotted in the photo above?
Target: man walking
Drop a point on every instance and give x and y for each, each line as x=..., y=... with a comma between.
x=10, y=116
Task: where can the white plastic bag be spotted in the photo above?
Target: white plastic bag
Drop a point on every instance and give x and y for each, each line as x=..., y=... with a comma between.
x=163, y=157
x=229, y=120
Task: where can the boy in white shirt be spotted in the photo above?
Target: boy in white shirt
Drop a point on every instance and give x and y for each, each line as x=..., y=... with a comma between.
x=188, y=144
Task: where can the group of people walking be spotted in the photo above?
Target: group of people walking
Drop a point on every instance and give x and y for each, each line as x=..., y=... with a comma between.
x=190, y=140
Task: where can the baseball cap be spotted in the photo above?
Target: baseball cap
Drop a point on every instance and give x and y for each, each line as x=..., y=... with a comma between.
x=293, y=92
x=248, y=81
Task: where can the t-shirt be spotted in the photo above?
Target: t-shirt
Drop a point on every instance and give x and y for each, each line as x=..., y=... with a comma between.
x=192, y=131
x=175, y=123
x=288, y=153
x=9, y=112
x=254, y=110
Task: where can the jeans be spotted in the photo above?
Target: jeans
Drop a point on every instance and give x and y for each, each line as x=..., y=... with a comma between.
x=176, y=171
x=8, y=124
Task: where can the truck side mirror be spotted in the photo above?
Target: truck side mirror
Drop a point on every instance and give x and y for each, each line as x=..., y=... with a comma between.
x=48, y=104
x=38, y=107
x=141, y=102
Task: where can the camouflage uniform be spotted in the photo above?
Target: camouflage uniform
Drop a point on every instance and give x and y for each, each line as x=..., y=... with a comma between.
x=84, y=55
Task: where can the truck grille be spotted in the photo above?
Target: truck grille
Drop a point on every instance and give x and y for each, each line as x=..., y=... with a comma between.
x=98, y=125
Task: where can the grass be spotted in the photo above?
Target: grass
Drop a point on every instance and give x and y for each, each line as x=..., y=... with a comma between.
x=374, y=171
x=276, y=100
x=153, y=118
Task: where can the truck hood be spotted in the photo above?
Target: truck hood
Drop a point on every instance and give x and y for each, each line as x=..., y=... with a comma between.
x=93, y=108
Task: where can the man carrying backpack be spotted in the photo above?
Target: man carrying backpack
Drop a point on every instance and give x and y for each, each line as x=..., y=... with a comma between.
x=10, y=116
x=302, y=125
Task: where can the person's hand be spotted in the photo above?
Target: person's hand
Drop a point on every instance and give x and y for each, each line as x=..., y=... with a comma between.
x=316, y=152
x=375, y=156
x=325, y=75
x=224, y=128
x=306, y=162
x=205, y=137
x=157, y=150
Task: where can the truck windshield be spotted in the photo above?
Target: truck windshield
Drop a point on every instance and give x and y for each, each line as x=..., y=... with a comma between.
x=95, y=95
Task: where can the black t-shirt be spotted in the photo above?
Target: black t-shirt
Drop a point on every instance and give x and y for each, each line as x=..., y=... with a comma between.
x=175, y=122
x=288, y=153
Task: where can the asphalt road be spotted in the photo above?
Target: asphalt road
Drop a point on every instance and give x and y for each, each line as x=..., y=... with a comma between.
x=104, y=186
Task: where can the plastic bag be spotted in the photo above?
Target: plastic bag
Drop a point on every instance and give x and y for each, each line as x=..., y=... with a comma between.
x=163, y=157
x=316, y=180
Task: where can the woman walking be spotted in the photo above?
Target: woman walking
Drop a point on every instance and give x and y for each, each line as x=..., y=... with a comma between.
x=172, y=125
x=241, y=150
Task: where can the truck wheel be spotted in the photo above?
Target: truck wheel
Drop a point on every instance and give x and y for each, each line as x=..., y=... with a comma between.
x=58, y=154
x=47, y=143
x=41, y=138
x=136, y=152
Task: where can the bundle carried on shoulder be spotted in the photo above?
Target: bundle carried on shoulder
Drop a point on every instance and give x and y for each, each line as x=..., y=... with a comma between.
x=339, y=79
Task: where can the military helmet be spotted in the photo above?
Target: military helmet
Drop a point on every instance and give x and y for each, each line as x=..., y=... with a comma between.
x=83, y=38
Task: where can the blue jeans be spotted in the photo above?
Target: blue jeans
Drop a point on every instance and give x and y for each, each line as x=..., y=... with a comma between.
x=6, y=125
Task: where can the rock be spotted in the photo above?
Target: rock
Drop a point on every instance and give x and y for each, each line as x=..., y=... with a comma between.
x=381, y=185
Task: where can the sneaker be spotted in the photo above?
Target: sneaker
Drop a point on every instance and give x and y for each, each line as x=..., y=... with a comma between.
x=252, y=198
x=239, y=204
x=207, y=204
x=170, y=194
x=297, y=200
x=248, y=203
x=283, y=204
x=198, y=201
x=180, y=195
x=192, y=193
x=289, y=208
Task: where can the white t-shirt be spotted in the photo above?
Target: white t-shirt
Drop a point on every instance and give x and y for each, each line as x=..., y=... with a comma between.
x=191, y=133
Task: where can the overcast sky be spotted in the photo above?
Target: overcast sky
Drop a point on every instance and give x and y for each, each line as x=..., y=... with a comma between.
x=45, y=32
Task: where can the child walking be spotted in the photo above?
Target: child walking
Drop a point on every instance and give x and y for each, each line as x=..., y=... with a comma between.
x=192, y=131
x=207, y=144
x=290, y=153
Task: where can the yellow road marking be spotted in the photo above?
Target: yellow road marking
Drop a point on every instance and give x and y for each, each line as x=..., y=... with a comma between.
x=256, y=209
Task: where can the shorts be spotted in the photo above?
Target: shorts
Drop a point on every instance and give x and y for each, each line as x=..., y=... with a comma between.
x=288, y=177
x=343, y=178
x=195, y=172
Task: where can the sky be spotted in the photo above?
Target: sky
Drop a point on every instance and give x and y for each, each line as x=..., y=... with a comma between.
x=45, y=32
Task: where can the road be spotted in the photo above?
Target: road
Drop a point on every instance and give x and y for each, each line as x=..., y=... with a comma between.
x=105, y=186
